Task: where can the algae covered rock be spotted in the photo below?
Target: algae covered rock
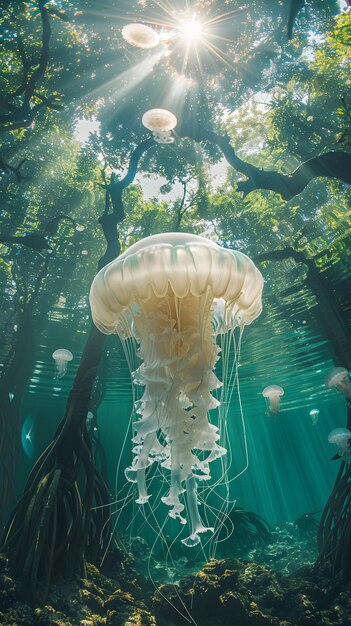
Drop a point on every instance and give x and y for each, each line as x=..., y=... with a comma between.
x=223, y=592
x=122, y=609
x=48, y=616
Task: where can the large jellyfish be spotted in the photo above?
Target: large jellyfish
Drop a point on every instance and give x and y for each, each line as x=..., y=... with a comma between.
x=61, y=358
x=168, y=297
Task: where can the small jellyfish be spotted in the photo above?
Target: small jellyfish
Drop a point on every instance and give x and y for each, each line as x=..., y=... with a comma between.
x=273, y=393
x=61, y=358
x=340, y=437
x=161, y=122
x=140, y=35
x=339, y=378
x=314, y=415
x=89, y=419
x=85, y=252
x=80, y=228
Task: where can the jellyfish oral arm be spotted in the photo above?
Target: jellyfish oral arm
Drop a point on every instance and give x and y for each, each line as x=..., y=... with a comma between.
x=176, y=400
x=197, y=526
x=274, y=404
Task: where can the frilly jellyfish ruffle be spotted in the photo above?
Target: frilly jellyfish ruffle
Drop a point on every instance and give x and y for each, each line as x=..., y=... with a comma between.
x=140, y=35
x=161, y=122
x=339, y=378
x=273, y=394
x=340, y=437
x=168, y=297
x=61, y=358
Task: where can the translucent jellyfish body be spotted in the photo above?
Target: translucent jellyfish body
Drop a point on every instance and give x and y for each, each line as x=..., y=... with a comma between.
x=89, y=419
x=140, y=35
x=339, y=378
x=168, y=297
x=273, y=394
x=61, y=358
x=314, y=415
x=161, y=122
x=341, y=437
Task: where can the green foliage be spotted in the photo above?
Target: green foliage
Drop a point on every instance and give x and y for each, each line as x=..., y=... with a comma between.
x=279, y=102
x=342, y=29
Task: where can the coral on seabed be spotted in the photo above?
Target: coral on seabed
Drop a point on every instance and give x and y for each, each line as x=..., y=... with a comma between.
x=94, y=601
x=230, y=591
x=224, y=592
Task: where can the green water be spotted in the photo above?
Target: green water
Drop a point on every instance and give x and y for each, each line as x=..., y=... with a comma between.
x=290, y=470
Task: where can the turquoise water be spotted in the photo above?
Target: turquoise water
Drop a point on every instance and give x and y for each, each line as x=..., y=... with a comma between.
x=290, y=470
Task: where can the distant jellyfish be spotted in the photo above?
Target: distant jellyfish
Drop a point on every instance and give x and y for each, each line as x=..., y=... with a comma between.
x=85, y=252
x=339, y=378
x=140, y=35
x=161, y=122
x=61, y=358
x=341, y=437
x=80, y=228
x=89, y=419
x=314, y=415
x=273, y=394
x=170, y=297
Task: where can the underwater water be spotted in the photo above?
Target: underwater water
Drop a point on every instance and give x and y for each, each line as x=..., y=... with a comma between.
x=289, y=476
x=289, y=473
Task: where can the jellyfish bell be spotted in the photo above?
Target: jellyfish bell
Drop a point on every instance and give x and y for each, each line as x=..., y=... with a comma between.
x=61, y=358
x=161, y=122
x=341, y=437
x=339, y=378
x=161, y=296
x=140, y=35
x=314, y=415
x=273, y=394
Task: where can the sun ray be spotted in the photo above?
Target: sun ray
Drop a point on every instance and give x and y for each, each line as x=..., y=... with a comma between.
x=130, y=77
x=221, y=56
x=223, y=17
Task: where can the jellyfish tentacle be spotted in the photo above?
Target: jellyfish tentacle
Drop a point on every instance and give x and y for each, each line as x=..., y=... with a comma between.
x=172, y=499
x=141, y=483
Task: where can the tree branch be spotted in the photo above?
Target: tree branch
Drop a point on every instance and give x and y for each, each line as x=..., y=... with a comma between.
x=6, y=168
x=114, y=192
x=116, y=188
x=39, y=72
x=21, y=116
x=282, y=254
x=331, y=164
